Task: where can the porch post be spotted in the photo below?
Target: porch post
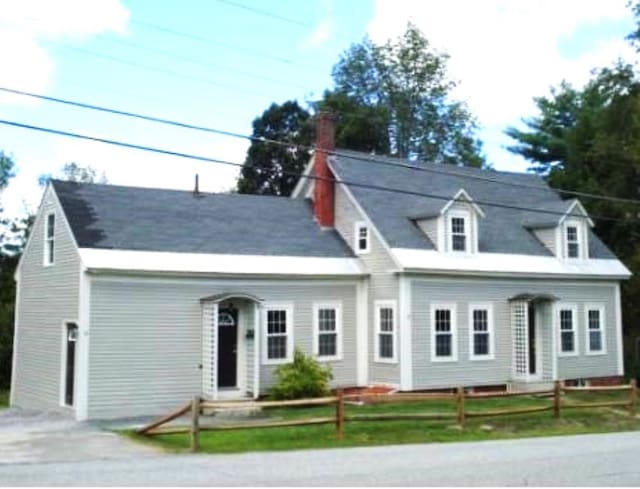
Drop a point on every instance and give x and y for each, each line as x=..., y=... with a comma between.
x=257, y=337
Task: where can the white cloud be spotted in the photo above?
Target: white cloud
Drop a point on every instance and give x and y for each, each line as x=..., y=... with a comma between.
x=24, y=24
x=506, y=52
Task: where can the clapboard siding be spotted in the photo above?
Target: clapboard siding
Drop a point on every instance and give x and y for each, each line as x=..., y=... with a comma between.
x=48, y=296
x=146, y=337
x=430, y=228
x=462, y=292
x=548, y=238
x=383, y=284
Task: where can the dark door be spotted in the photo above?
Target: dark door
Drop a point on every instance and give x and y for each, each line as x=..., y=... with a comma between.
x=532, y=339
x=72, y=338
x=227, y=347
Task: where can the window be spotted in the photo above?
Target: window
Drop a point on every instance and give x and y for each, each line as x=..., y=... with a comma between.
x=443, y=333
x=568, y=331
x=594, y=316
x=573, y=245
x=386, y=332
x=49, y=236
x=481, y=332
x=458, y=233
x=328, y=331
x=278, y=321
x=362, y=239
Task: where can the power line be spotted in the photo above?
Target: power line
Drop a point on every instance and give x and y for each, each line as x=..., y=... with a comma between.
x=441, y=171
x=287, y=173
x=265, y=13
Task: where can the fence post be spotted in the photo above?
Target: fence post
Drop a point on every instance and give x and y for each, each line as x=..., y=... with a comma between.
x=633, y=398
x=195, y=424
x=460, y=398
x=339, y=414
x=556, y=398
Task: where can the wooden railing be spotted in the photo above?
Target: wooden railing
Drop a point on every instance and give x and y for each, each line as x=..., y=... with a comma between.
x=341, y=417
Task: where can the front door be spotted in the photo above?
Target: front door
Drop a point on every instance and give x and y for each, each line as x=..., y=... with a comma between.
x=532, y=340
x=227, y=347
x=72, y=338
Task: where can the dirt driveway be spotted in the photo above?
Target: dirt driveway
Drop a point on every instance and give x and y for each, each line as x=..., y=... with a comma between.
x=35, y=436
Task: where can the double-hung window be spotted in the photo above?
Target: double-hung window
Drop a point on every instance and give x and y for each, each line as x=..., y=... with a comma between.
x=481, y=332
x=328, y=331
x=573, y=242
x=362, y=239
x=443, y=333
x=386, y=347
x=278, y=329
x=49, y=239
x=594, y=316
x=567, y=319
x=459, y=241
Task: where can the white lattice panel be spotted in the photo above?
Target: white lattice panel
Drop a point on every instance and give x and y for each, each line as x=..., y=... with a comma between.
x=520, y=331
x=209, y=337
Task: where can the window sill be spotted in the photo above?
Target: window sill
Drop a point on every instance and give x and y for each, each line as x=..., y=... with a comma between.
x=386, y=360
x=595, y=353
x=329, y=359
x=486, y=358
x=568, y=354
x=443, y=359
x=277, y=362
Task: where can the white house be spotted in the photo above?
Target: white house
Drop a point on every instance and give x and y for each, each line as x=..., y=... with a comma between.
x=132, y=300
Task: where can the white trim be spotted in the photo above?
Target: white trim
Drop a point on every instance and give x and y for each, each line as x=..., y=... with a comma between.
x=362, y=330
x=463, y=197
x=453, y=309
x=364, y=215
x=555, y=326
x=377, y=306
x=619, y=347
x=581, y=239
x=486, y=264
x=302, y=180
x=84, y=346
x=35, y=226
x=490, y=329
x=47, y=241
x=600, y=307
x=404, y=327
x=564, y=306
x=570, y=214
x=257, y=336
x=241, y=349
x=153, y=261
x=214, y=351
x=278, y=306
x=337, y=306
x=357, y=227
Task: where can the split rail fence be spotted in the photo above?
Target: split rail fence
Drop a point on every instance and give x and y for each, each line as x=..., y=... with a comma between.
x=197, y=406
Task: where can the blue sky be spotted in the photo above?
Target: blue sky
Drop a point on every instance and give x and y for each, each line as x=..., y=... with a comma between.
x=223, y=65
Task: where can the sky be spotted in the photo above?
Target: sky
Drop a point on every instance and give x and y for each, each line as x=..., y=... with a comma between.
x=221, y=63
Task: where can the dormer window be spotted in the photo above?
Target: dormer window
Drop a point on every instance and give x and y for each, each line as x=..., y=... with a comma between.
x=458, y=233
x=362, y=238
x=573, y=243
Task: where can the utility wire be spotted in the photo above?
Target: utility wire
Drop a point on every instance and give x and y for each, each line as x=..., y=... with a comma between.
x=265, y=13
x=288, y=173
x=441, y=171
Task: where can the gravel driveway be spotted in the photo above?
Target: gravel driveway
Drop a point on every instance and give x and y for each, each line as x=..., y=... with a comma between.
x=34, y=436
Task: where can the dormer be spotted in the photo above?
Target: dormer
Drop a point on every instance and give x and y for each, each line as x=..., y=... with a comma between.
x=565, y=231
x=452, y=227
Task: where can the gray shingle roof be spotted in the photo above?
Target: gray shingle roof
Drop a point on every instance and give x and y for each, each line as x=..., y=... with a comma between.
x=129, y=218
x=501, y=231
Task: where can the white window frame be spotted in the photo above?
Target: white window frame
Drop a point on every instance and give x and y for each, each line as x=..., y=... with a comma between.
x=490, y=331
x=393, y=305
x=587, y=343
x=468, y=232
x=357, y=227
x=317, y=306
x=579, y=239
x=452, y=307
x=574, y=328
x=49, y=241
x=277, y=306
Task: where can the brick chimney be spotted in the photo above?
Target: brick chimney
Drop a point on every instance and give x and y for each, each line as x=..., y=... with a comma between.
x=323, y=192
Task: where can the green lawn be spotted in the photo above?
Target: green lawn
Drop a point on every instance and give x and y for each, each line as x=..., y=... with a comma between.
x=395, y=432
x=4, y=399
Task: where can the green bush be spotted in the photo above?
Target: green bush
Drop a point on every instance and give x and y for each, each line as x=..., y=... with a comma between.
x=303, y=378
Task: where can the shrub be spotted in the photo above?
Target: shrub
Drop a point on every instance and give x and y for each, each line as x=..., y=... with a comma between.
x=303, y=378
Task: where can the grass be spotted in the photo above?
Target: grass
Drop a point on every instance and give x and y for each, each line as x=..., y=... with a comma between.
x=596, y=420
x=4, y=399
